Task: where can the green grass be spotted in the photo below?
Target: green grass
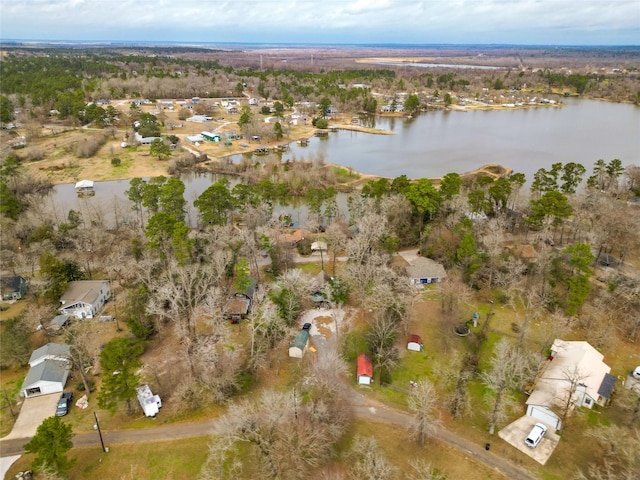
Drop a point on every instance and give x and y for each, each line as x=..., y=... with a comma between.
x=176, y=460
x=344, y=175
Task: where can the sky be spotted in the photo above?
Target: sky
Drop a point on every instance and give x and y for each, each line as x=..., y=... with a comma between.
x=522, y=22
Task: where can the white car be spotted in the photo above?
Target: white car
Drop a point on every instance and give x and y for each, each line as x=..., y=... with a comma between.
x=535, y=435
x=636, y=373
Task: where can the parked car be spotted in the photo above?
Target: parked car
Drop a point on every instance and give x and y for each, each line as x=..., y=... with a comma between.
x=636, y=372
x=64, y=404
x=307, y=326
x=535, y=435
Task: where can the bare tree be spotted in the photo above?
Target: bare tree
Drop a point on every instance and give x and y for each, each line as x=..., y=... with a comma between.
x=381, y=337
x=573, y=378
x=368, y=461
x=286, y=438
x=78, y=340
x=422, y=403
x=422, y=470
x=507, y=368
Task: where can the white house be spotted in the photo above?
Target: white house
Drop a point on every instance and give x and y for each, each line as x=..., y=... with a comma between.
x=49, y=370
x=425, y=271
x=574, y=368
x=84, y=298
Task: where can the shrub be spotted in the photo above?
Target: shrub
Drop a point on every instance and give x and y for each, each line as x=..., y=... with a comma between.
x=80, y=386
x=89, y=145
x=304, y=246
x=321, y=123
x=115, y=162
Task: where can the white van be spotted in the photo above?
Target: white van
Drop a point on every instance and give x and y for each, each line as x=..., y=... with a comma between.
x=535, y=435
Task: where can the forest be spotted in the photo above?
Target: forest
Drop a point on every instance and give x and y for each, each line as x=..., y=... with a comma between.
x=551, y=257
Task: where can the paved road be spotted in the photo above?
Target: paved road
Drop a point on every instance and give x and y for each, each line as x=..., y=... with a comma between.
x=362, y=411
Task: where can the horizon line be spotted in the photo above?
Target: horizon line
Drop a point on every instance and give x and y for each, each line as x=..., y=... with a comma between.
x=334, y=44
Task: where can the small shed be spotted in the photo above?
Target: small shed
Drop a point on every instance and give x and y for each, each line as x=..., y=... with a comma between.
x=365, y=370
x=414, y=343
x=149, y=402
x=57, y=324
x=299, y=344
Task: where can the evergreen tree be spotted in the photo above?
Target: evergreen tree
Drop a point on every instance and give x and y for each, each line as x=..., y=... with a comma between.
x=120, y=361
x=51, y=444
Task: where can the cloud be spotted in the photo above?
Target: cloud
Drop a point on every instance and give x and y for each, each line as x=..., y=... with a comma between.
x=331, y=21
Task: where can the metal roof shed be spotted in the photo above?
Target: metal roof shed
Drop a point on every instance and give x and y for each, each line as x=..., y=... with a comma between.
x=299, y=344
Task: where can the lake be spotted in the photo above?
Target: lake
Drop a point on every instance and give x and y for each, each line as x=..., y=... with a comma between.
x=435, y=143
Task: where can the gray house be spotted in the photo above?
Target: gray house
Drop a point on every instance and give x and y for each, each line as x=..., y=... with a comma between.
x=424, y=271
x=84, y=298
x=49, y=370
x=13, y=288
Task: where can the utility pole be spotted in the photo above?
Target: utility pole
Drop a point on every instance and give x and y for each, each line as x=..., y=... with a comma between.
x=97, y=425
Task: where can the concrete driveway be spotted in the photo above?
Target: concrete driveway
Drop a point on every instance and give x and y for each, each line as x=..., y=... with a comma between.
x=34, y=410
x=516, y=432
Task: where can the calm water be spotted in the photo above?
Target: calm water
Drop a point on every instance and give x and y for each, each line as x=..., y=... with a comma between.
x=435, y=143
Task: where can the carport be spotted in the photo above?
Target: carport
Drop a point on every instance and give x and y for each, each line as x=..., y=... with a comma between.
x=516, y=432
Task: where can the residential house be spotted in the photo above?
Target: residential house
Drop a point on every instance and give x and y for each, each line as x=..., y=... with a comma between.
x=194, y=139
x=239, y=304
x=50, y=366
x=424, y=271
x=145, y=140
x=211, y=136
x=50, y=351
x=294, y=237
x=364, y=370
x=299, y=344
x=318, y=247
x=84, y=298
x=199, y=118
x=574, y=376
x=13, y=288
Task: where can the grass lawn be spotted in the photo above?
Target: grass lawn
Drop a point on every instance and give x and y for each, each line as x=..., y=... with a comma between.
x=175, y=460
